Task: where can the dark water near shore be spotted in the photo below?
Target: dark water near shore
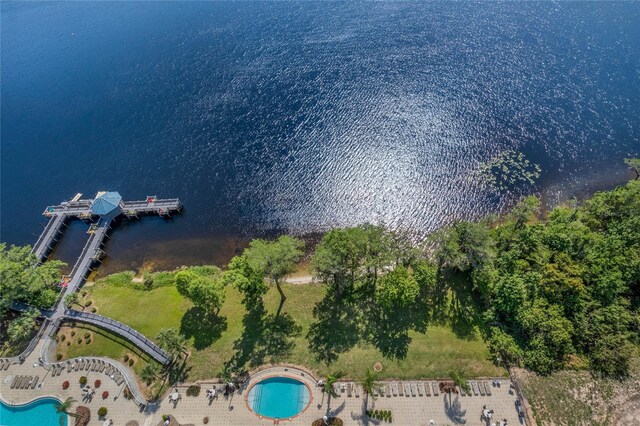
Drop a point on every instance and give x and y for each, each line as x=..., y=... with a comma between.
x=297, y=117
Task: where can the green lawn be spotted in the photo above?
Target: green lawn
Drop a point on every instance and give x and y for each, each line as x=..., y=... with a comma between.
x=432, y=354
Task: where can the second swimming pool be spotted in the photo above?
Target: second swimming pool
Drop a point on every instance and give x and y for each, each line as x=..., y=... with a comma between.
x=279, y=397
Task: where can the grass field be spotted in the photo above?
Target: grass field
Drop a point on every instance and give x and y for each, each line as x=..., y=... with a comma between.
x=432, y=354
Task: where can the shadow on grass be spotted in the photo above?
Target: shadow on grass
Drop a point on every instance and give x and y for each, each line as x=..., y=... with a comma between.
x=266, y=338
x=341, y=325
x=388, y=329
x=457, y=304
x=336, y=329
x=205, y=327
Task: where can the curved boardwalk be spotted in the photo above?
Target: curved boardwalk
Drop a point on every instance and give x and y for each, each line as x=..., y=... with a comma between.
x=119, y=329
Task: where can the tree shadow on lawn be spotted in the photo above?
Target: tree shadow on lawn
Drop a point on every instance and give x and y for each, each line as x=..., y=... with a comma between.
x=336, y=329
x=459, y=305
x=205, y=327
x=266, y=338
x=388, y=329
x=341, y=325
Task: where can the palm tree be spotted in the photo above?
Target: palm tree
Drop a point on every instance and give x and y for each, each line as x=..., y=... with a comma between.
x=172, y=341
x=459, y=379
x=369, y=385
x=448, y=387
x=149, y=373
x=328, y=386
x=71, y=299
x=64, y=407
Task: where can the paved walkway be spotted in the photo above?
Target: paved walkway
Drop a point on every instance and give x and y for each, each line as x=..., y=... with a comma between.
x=234, y=410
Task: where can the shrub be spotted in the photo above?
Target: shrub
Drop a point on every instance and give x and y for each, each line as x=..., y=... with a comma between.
x=80, y=341
x=97, y=383
x=73, y=333
x=105, y=395
x=126, y=357
x=63, y=337
x=83, y=415
x=380, y=415
x=165, y=417
x=87, y=335
x=89, y=302
x=333, y=421
x=205, y=420
x=83, y=380
x=193, y=390
x=65, y=385
x=89, y=341
x=94, y=310
x=130, y=362
x=127, y=393
x=58, y=356
x=148, y=282
x=102, y=411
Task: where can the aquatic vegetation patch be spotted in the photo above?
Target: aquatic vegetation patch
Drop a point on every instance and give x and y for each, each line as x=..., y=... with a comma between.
x=508, y=169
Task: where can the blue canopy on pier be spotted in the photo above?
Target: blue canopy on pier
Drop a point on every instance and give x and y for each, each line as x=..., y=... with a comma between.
x=107, y=204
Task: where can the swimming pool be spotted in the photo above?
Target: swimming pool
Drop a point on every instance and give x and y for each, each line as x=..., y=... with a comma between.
x=40, y=412
x=279, y=397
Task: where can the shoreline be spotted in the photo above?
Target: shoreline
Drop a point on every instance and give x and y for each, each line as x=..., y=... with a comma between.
x=157, y=254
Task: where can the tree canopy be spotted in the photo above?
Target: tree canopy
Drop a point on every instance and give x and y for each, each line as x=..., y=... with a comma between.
x=23, y=280
x=556, y=289
x=273, y=260
x=206, y=291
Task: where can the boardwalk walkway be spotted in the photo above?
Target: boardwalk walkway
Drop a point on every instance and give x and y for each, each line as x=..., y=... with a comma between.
x=101, y=212
x=119, y=329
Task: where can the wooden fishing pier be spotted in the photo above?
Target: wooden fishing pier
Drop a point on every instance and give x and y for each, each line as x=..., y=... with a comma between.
x=84, y=209
x=100, y=212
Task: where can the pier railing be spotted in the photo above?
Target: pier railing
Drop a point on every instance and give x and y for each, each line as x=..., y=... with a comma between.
x=120, y=329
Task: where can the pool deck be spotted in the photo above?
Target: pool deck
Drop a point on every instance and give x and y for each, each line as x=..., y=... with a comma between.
x=407, y=410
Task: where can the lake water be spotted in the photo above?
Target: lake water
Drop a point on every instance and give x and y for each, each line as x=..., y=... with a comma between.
x=297, y=117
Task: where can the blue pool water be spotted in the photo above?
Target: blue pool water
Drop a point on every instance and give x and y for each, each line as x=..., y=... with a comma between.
x=40, y=412
x=279, y=397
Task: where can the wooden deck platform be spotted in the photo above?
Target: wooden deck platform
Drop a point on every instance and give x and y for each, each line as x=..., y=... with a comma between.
x=100, y=225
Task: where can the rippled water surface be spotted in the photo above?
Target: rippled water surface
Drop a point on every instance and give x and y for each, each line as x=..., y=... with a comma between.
x=269, y=117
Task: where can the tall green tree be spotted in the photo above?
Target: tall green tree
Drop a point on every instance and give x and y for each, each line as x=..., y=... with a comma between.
x=327, y=387
x=369, y=385
x=149, y=373
x=275, y=260
x=247, y=280
x=397, y=289
x=206, y=292
x=71, y=299
x=464, y=246
x=349, y=258
x=459, y=378
x=22, y=327
x=22, y=279
x=172, y=342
